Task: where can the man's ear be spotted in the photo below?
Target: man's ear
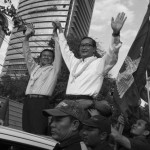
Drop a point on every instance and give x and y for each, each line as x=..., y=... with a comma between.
x=75, y=125
x=146, y=133
x=103, y=135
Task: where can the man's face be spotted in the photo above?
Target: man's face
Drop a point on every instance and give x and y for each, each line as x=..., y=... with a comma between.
x=138, y=128
x=86, y=48
x=61, y=128
x=46, y=58
x=91, y=136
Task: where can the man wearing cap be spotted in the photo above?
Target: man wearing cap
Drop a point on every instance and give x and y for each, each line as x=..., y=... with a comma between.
x=96, y=131
x=66, y=124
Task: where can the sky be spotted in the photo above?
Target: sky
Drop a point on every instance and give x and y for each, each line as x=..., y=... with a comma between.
x=100, y=28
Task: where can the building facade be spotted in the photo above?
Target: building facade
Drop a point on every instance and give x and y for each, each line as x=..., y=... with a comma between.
x=74, y=15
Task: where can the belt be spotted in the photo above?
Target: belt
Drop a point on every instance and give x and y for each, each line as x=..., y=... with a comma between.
x=37, y=96
x=77, y=97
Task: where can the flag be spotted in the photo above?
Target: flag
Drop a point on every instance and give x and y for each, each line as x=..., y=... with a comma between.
x=131, y=78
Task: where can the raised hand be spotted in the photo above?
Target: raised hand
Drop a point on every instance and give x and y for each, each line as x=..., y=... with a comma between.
x=121, y=119
x=114, y=133
x=29, y=30
x=57, y=25
x=93, y=112
x=118, y=23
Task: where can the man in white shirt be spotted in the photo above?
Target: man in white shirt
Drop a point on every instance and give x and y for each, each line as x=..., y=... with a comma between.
x=87, y=73
x=41, y=85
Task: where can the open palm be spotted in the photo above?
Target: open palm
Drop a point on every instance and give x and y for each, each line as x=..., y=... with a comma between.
x=118, y=23
x=29, y=30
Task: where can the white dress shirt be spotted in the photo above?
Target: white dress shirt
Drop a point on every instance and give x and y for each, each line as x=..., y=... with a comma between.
x=89, y=82
x=42, y=78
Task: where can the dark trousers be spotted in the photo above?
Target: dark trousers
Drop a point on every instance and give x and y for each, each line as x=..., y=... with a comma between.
x=33, y=120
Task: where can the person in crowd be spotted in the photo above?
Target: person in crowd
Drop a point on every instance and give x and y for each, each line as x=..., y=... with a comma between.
x=43, y=78
x=87, y=73
x=96, y=132
x=140, y=132
x=66, y=125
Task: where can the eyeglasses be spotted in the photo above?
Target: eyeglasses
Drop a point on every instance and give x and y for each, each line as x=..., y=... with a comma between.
x=86, y=45
x=46, y=56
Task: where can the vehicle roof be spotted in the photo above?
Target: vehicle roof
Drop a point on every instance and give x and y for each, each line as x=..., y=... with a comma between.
x=18, y=136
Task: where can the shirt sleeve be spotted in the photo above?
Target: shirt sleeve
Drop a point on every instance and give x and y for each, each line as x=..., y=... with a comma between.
x=58, y=57
x=31, y=64
x=111, y=57
x=139, y=145
x=68, y=55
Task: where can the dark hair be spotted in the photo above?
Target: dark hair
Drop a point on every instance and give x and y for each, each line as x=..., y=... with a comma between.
x=107, y=112
x=47, y=50
x=93, y=44
x=147, y=125
x=93, y=41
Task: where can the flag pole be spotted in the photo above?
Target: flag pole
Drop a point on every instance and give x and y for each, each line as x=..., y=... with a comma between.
x=147, y=87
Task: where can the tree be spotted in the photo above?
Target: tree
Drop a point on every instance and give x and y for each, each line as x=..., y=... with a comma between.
x=14, y=88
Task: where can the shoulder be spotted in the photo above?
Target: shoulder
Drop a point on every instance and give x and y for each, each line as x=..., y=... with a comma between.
x=104, y=146
x=139, y=144
x=77, y=146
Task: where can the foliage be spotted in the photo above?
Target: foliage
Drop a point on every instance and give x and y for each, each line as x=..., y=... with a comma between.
x=13, y=88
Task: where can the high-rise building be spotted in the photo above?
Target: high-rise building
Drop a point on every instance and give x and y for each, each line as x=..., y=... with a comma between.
x=74, y=15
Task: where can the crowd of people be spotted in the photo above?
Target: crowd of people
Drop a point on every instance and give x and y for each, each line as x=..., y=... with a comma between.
x=79, y=122
x=85, y=79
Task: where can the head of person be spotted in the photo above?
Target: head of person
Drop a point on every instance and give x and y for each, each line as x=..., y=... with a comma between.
x=87, y=47
x=104, y=108
x=96, y=130
x=66, y=119
x=46, y=57
x=141, y=128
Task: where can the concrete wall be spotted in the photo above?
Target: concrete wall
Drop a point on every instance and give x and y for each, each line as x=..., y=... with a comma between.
x=13, y=117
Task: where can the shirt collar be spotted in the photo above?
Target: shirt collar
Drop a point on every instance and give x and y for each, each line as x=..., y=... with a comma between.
x=88, y=58
x=71, y=140
x=46, y=65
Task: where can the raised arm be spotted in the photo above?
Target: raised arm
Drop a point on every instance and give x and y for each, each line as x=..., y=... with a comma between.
x=31, y=64
x=122, y=140
x=129, y=143
x=58, y=56
x=111, y=56
x=68, y=55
